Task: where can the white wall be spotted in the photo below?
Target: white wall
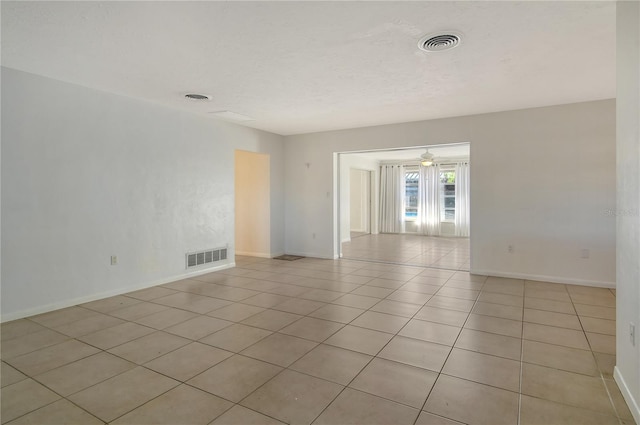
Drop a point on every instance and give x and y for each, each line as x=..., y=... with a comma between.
x=87, y=175
x=350, y=161
x=542, y=179
x=252, y=204
x=627, y=371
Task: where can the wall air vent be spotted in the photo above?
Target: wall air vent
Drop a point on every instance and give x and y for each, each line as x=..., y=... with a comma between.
x=439, y=42
x=195, y=259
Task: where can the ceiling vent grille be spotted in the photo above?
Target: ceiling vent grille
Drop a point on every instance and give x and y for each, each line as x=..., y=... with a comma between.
x=439, y=42
x=195, y=259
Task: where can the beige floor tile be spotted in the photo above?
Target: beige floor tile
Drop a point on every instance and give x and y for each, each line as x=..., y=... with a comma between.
x=473, y=286
x=468, y=277
x=565, y=387
x=553, y=335
x=396, y=308
x=536, y=411
x=89, y=325
x=9, y=375
x=386, y=283
x=230, y=294
x=466, y=294
x=271, y=320
x=293, y=397
x=430, y=331
x=321, y=295
x=409, y=297
x=23, y=397
x=59, y=412
x=118, y=395
x=559, y=357
x=299, y=306
x=61, y=317
x=472, y=403
x=236, y=312
x=332, y=363
x=149, y=347
x=550, y=318
x=497, y=298
x=355, y=407
x=618, y=400
x=556, y=295
x=180, y=405
x=236, y=337
x=380, y=322
x=192, y=302
x=356, y=301
x=427, y=418
x=151, y=293
x=414, y=352
x=30, y=342
x=84, y=373
x=313, y=329
x=440, y=315
x=606, y=363
x=106, y=305
x=337, y=313
x=596, y=311
x=420, y=288
x=362, y=340
x=51, y=357
x=504, y=286
x=451, y=303
x=165, y=318
x=601, y=326
x=188, y=361
x=396, y=381
x=496, y=325
x=137, y=311
x=600, y=299
x=484, y=369
x=549, y=305
x=239, y=415
x=280, y=349
x=498, y=310
x=602, y=343
x=372, y=291
x=235, y=378
x=198, y=327
x=265, y=300
x=21, y=327
x=116, y=335
x=488, y=343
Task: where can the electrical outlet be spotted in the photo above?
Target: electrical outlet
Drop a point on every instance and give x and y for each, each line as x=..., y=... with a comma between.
x=632, y=333
x=584, y=253
x=114, y=260
x=511, y=249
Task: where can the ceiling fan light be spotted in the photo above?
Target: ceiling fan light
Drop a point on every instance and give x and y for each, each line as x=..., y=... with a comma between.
x=426, y=162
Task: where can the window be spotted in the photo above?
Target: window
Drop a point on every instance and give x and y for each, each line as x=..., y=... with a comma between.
x=448, y=195
x=411, y=194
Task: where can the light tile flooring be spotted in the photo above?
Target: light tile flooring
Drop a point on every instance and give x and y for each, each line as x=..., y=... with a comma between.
x=322, y=342
x=416, y=250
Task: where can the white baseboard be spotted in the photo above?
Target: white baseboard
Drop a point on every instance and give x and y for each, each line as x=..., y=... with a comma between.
x=94, y=297
x=255, y=254
x=544, y=278
x=312, y=255
x=626, y=393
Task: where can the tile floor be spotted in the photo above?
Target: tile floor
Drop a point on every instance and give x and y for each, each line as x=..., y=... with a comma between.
x=322, y=342
x=416, y=250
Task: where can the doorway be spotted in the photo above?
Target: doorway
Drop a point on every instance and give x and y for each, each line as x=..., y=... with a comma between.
x=252, y=204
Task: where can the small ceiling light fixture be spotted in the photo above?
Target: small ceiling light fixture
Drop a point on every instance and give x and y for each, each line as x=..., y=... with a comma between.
x=195, y=96
x=426, y=159
x=440, y=42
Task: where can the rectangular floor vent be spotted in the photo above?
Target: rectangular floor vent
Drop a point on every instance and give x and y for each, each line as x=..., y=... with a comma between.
x=195, y=259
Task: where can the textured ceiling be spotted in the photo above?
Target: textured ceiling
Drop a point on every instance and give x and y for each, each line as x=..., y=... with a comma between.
x=299, y=67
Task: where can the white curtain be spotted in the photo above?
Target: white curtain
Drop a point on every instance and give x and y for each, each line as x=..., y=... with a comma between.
x=462, y=199
x=429, y=200
x=392, y=188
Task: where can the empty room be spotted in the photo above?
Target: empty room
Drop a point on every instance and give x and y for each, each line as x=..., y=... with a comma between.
x=229, y=212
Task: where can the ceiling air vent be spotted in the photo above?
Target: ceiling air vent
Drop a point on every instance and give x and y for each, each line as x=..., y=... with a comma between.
x=195, y=96
x=439, y=42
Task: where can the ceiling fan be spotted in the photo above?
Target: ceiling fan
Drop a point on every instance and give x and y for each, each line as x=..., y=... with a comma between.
x=426, y=159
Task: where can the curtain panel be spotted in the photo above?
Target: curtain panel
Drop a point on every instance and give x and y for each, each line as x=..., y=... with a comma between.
x=429, y=200
x=462, y=199
x=392, y=188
